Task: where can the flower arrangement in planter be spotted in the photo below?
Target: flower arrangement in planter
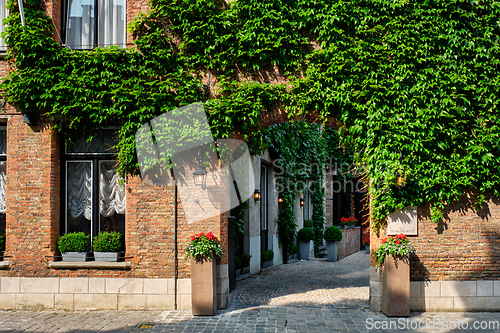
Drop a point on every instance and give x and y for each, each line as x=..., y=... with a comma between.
x=202, y=246
x=267, y=258
x=398, y=246
x=305, y=236
x=203, y=250
x=366, y=243
x=107, y=246
x=332, y=235
x=349, y=222
x=74, y=246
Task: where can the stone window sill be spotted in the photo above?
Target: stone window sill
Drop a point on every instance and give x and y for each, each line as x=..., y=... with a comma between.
x=4, y=264
x=89, y=265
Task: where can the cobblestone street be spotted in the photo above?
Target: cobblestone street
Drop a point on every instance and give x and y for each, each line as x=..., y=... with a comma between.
x=312, y=296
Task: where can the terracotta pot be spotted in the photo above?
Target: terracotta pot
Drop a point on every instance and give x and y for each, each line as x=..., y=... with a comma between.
x=204, y=287
x=396, y=287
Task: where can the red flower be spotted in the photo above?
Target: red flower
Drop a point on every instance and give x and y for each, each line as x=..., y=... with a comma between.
x=398, y=242
x=384, y=240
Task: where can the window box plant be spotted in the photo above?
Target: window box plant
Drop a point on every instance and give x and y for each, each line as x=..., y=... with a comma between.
x=348, y=222
x=394, y=256
x=74, y=246
x=204, y=250
x=332, y=235
x=267, y=258
x=305, y=236
x=107, y=246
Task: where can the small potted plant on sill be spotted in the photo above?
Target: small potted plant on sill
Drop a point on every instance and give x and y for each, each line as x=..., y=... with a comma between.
x=348, y=222
x=107, y=246
x=394, y=256
x=366, y=243
x=203, y=250
x=332, y=235
x=305, y=236
x=267, y=258
x=74, y=246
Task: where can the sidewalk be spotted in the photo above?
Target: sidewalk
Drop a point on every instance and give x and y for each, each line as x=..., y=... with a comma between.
x=312, y=296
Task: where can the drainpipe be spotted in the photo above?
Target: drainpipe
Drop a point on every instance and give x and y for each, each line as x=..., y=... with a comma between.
x=175, y=245
x=21, y=11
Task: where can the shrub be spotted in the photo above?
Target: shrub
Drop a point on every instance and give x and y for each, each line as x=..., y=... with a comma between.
x=245, y=260
x=108, y=242
x=267, y=255
x=332, y=234
x=238, y=262
x=74, y=242
x=305, y=234
x=2, y=242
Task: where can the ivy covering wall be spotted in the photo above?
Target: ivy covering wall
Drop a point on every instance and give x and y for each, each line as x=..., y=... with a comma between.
x=419, y=79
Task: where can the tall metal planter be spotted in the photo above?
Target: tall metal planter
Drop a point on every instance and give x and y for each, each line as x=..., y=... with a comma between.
x=304, y=249
x=396, y=287
x=332, y=250
x=204, y=286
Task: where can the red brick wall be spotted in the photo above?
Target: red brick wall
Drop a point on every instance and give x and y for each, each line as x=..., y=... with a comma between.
x=466, y=246
x=349, y=243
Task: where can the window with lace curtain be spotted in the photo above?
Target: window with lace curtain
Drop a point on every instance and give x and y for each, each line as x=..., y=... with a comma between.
x=4, y=12
x=94, y=23
x=3, y=179
x=95, y=192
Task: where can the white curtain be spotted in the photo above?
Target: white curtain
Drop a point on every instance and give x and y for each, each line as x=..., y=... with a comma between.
x=111, y=190
x=80, y=24
x=3, y=184
x=79, y=191
x=4, y=12
x=112, y=22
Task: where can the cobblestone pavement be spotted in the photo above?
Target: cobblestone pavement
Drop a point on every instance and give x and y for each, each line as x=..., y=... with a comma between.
x=342, y=284
x=313, y=296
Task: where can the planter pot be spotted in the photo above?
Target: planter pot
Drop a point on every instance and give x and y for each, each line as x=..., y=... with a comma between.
x=204, y=286
x=75, y=256
x=107, y=256
x=245, y=270
x=268, y=263
x=290, y=257
x=295, y=256
x=332, y=251
x=396, y=287
x=350, y=227
x=367, y=249
x=304, y=249
x=238, y=272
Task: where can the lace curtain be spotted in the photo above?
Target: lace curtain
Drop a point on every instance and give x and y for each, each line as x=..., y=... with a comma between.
x=111, y=191
x=80, y=24
x=112, y=21
x=3, y=183
x=79, y=189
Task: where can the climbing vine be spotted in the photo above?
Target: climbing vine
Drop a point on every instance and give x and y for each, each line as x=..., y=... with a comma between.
x=413, y=79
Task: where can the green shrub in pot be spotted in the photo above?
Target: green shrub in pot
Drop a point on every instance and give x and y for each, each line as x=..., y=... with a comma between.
x=332, y=234
x=74, y=242
x=108, y=242
x=305, y=234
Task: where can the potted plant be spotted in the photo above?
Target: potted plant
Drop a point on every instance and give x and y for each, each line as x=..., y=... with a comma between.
x=305, y=236
x=267, y=258
x=245, y=263
x=74, y=246
x=394, y=255
x=203, y=250
x=308, y=223
x=295, y=251
x=237, y=260
x=348, y=222
x=107, y=246
x=366, y=243
x=332, y=235
x=2, y=245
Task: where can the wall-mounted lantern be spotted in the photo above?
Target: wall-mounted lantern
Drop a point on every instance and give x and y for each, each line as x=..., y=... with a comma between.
x=256, y=195
x=302, y=203
x=400, y=173
x=199, y=177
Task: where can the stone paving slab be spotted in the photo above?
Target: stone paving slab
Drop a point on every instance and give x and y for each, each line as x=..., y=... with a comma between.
x=287, y=299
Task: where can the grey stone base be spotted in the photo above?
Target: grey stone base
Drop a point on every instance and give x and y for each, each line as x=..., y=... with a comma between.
x=480, y=295
x=92, y=293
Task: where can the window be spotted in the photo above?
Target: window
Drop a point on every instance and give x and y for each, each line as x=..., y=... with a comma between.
x=3, y=180
x=4, y=12
x=95, y=193
x=91, y=23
